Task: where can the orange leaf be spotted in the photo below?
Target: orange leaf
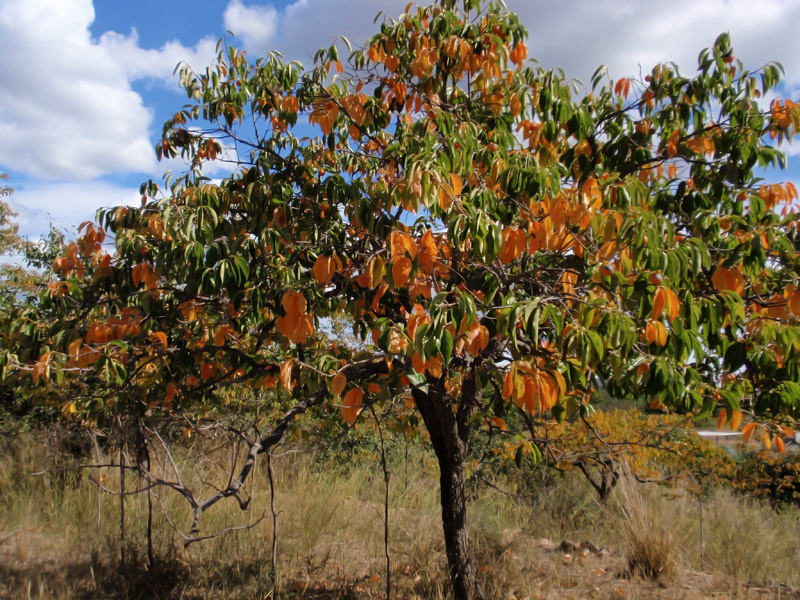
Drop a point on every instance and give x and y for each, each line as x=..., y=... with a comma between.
x=337, y=384
x=659, y=302
x=456, y=183
x=401, y=244
x=294, y=303
x=508, y=385
x=323, y=269
x=721, y=418
x=172, y=390
x=418, y=364
x=747, y=431
x=767, y=440
x=673, y=304
x=794, y=302
x=351, y=405
x=736, y=420
x=401, y=270
x=159, y=337
x=428, y=251
x=725, y=278
x=696, y=145
x=207, y=371
x=221, y=334
x=499, y=423
x=41, y=367
x=650, y=332
x=286, y=374
x=136, y=274
x=779, y=444
x=672, y=144
x=435, y=366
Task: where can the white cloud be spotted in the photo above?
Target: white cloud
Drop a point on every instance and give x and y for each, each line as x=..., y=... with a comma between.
x=255, y=25
x=65, y=205
x=67, y=109
x=577, y=35
x=627, y=35
x=139, y=63
x=305, y=26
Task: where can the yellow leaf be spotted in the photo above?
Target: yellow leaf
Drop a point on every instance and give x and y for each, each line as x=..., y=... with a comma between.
x=286, y=374
x=736, y=420
x=375, y=271
x=721, y=418
x=74, y=348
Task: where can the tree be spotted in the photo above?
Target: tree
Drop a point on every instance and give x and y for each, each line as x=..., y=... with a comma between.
x=500, y=242
x=21, y=278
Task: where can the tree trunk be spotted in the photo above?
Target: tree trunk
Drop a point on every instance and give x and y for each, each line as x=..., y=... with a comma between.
x=454, y=522
x=449, y=433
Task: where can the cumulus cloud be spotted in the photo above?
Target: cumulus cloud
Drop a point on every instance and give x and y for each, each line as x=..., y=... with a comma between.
x=65, y=205
x=577, y=36
x=67, y=108
x=143, y=63
x=629, y=35
x=255, y=25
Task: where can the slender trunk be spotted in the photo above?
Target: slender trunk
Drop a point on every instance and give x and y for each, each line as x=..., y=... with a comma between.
x=454, y=522
x=121, y=503
x=449, y=433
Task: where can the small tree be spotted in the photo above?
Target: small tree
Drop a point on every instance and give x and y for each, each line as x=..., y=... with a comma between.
x=497, y=240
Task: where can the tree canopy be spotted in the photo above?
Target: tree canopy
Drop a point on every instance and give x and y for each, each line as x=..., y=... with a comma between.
x=500, y=239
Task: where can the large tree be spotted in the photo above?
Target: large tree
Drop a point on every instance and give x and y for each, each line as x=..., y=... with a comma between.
x=497, y=237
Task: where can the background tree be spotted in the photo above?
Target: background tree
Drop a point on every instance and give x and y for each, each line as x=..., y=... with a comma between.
x=500, y=242
x=25, y=269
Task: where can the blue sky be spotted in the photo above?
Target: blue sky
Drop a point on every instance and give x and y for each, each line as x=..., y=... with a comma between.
x=86, y=84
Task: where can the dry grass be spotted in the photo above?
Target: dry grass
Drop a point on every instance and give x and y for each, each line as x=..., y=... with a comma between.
x=651, y=521
x=59, y=538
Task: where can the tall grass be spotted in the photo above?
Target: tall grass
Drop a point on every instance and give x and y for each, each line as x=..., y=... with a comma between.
x=59, y=538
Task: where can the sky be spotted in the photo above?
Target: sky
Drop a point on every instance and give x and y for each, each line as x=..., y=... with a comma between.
x=85, y=85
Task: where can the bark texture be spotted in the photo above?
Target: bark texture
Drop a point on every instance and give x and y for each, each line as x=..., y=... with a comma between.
x=449, y=430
